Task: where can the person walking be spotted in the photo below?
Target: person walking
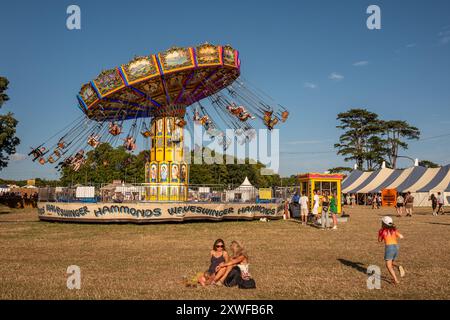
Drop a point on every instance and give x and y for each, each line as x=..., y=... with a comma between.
x=379, y=201
x=374, y=201
x=324, y=218
x=409, y=202
x=333, y=210
x=304, y=205
x=400, y=204
x=295, y=206
x=316, y=205
x=348, y=200
x=353, y=199
x=441, y=201
x=434, y=202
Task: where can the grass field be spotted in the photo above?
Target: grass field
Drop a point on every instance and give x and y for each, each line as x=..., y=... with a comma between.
x=288, y=261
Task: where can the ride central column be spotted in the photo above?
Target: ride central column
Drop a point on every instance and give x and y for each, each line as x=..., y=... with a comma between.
x=167, y=172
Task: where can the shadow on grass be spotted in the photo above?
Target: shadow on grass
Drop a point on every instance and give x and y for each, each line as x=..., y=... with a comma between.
x=440, y=223
x=358, y=266
x=19, y=221
x=308, y=224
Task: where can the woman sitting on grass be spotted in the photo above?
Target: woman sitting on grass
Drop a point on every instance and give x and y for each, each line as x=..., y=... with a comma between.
x=236, y=271
x=218, y=256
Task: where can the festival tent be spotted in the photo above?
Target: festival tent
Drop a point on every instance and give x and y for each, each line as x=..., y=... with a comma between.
x=439, y=183
x=244, y=193
x=420, y=181
x=30, y=187
x=447, y=194
x=349, y=187
x=374, y=180
x=351, y=178
x=394, y=178
x=4, y=188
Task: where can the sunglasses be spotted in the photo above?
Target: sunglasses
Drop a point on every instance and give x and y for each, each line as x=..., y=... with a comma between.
x=219, y=246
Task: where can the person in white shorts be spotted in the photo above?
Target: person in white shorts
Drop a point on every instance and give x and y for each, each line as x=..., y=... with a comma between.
x=304, y=208
x=315, y=210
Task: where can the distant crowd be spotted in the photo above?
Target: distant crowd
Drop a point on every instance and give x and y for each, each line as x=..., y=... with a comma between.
x=404, y=203
x=18, y=200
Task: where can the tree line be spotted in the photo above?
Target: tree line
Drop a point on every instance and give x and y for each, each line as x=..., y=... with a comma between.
x=8, y=124
x=105, y=164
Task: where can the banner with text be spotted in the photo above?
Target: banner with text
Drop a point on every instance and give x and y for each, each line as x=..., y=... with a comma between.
x=156, y=212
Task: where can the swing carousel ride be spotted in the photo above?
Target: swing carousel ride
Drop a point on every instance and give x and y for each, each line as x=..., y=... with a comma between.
x=157, y=97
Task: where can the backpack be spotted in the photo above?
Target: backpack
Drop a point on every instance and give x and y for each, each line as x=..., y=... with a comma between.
x=247, y=284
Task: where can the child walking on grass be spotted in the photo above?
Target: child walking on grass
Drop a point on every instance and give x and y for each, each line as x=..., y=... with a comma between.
x=389, y=234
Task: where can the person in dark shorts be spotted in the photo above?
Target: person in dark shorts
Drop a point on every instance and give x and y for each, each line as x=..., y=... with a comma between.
x=433, y=200
x=409, y=202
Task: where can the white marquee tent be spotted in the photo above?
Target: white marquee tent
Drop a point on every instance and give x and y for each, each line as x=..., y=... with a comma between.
x=244, y=193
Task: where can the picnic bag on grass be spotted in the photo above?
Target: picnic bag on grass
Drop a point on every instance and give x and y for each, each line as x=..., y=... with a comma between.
x=247, y=284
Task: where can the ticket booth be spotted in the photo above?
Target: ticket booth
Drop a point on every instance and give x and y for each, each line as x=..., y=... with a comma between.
x=323, y=182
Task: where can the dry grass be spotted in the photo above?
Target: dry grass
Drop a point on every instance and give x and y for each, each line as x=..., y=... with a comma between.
x=288, y=261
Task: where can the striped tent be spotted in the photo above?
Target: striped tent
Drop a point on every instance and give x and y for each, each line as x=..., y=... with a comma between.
x=420, y=181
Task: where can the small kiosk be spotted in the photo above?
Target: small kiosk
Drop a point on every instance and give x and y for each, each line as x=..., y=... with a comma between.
x=323, y=182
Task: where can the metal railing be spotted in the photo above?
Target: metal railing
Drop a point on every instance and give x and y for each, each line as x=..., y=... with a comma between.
x=126, y=193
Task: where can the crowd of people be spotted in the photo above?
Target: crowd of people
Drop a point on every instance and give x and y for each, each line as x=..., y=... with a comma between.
x=404, y=202
x=437, y=203
x=19, y=200
x=326, y=201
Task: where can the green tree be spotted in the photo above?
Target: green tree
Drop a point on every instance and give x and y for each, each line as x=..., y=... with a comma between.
x=396, y=132
x=428, y=164
x=357, y=143
x=8, y=124
x=105, y=164
x=375, y=152
x=292, y=180
x=340, y=170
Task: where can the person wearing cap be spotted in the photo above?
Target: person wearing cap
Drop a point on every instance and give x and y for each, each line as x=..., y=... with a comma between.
x=389, y=234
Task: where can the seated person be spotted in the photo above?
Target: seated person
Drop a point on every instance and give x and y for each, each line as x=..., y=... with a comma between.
x=114, y=129
x=61, y=144
x=284, y=116
x=37, y=153
x=180, y=122
x=130, y=143
x=218, y=256
x=93, y=141
x=236, y=270
x=146, y=132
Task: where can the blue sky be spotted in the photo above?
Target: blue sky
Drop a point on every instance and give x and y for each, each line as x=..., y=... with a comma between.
x=316, y=57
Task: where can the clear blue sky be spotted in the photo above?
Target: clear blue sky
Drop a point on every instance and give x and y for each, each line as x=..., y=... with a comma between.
x=289, y=49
